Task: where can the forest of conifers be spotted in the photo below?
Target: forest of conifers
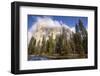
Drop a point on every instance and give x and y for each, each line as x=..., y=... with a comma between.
x=61, y=47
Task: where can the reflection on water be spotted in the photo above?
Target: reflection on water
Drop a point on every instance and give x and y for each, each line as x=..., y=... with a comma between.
x=33, y=57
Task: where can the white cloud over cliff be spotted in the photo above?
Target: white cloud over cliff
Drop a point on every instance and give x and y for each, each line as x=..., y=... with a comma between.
x=47, y=22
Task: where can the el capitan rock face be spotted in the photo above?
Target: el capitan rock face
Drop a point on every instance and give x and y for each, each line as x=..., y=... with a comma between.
x=47, y=27
x=44, y=30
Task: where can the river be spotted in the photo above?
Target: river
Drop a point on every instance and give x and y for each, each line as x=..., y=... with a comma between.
x=34, y=58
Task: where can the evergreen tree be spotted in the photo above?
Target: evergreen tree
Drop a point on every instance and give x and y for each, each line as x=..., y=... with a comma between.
x=47, y=46
x=84, y=36
x=78, y=42
x=31, y=47
x=58, y=45
x=50, y=45
x=43, y=47
x=85, y=44
x=72, y=44
x=77, y=28
x=64, y=42
x=82, y=29
x=61, y=43
x=80, y=38
x=38, y=48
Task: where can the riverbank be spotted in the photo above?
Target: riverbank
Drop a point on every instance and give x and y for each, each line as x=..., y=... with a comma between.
x=56, y=56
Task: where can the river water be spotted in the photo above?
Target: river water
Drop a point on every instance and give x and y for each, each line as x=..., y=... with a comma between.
x=34, y=58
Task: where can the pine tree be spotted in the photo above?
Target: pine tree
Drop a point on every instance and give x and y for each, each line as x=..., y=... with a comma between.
x=72, y=43
x=31, y=47
x=80, y=38
x=84, y=36
x=77, y=41
x=59, y=45
x=77, y=28
x=83, y=31
x=50, y=45
x=85, y=44
x=38, y=48
x=43, y=47
x=64, y=42
x=47, y=46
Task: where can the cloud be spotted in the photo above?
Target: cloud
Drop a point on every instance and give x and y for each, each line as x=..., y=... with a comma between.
x=46, y=22
x=73, y=29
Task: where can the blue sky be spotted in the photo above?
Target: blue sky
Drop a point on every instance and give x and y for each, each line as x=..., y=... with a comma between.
x=68, y=20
